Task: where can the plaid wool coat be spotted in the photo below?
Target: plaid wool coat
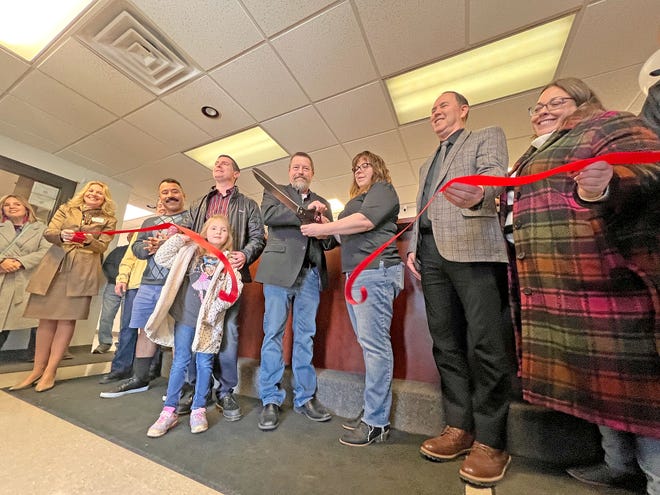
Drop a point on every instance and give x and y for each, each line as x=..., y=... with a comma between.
x=587, y=278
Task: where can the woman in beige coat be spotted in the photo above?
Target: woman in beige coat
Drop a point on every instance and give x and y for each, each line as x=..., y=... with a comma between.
x=63, y=284
x=22, y=246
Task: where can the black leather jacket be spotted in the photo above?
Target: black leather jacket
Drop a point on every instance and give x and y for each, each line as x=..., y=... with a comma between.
x=247, y=225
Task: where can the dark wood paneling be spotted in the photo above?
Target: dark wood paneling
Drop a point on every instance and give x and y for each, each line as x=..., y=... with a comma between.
x=336, y=346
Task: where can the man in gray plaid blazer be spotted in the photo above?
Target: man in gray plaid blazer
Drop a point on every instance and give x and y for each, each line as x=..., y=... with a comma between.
x=458, y=252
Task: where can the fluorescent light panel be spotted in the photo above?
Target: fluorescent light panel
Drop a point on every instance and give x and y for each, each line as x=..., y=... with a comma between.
x=28, y=26
x=248, y=148
x=512, y=65
x=336, y=206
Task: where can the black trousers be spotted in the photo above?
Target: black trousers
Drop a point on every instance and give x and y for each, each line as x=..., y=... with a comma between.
x=466, y=308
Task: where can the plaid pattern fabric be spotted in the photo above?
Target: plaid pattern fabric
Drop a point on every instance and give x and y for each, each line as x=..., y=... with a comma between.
x=588, y=278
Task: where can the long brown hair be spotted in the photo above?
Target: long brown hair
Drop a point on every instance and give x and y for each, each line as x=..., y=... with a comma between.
x=29, y=217
x=587, y=102
x=381, y=173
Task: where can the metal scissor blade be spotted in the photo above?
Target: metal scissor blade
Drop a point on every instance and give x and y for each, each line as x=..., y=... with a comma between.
x=306, y=216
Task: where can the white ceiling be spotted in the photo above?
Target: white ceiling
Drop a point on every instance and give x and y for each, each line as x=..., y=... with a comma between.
x=310, y=72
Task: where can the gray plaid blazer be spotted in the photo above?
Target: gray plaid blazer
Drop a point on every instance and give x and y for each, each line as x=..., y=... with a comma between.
x=463, y=234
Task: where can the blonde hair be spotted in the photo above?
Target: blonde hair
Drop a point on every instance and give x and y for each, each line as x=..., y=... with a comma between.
x=381, y=173
x=108, y=206
x=227, y=246
x=29, y=217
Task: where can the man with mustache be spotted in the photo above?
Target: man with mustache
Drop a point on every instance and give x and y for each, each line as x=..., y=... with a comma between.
x=170, y=193
x=293, y=271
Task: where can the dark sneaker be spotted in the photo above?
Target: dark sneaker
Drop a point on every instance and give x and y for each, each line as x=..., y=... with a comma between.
x=131, y=386
x=365, y=435
x=351, y=424
x=602, y=475
x=102, y=348
x=229, y=407
x=313, y=410
x=113, y=376
x=186, y=400
x=269, y=418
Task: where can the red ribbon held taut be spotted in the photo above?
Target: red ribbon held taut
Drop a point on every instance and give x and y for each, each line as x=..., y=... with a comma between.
x=229, y=297
x=617, y=158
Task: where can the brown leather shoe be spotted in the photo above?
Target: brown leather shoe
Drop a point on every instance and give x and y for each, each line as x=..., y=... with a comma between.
x=451, y=443
x=484, y=465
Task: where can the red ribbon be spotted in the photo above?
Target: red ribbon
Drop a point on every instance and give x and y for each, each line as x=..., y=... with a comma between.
x=617, y=158
x=229, y=297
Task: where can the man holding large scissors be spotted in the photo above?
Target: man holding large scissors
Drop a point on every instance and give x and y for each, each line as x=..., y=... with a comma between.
x=293, y=271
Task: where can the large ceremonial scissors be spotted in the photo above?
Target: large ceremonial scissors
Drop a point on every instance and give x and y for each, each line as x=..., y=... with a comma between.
x=306, y=215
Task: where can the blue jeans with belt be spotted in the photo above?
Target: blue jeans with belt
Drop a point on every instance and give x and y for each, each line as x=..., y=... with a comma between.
x=304, y=296
x=371, y=323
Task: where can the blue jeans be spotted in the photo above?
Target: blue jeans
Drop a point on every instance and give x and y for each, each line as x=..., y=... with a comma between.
x=305, y=296
x=125, y=351
x=183, y=339
x=109, y=308
x=371, y=323
x=624, y=451
x=226, y=361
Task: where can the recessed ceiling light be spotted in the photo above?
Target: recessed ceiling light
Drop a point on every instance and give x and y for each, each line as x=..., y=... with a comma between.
x=509, y=66
x=28, y=26
x=248, y=148
x=210, y=112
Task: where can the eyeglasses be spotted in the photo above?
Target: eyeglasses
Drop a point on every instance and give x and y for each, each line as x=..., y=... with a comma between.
x=362, y=167
x=553, y=104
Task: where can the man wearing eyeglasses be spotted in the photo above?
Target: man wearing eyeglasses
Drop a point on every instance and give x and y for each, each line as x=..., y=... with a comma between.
x=458, y=253
x=293, y=271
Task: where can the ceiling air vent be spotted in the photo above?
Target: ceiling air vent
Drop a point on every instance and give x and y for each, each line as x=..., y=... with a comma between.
x=137, y=50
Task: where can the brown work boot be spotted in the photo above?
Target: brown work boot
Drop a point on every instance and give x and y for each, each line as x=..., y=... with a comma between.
x=451, y=443
x=484, y=465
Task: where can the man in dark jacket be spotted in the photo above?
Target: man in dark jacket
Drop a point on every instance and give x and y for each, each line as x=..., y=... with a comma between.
x=249, y=240
x=293, y=272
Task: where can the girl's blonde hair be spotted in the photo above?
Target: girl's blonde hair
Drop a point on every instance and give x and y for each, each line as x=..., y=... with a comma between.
x=30, y=216
x=381, y=173
x=227, y=246
x=108, y=206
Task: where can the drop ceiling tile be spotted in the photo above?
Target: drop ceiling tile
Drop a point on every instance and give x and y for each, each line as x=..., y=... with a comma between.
x=617, y=89
x=407, y=195
x=278, y=170
x=22, y=135
x=603, y=42
x=493, y=19
x=85, y=161
x=260, y=83
x=174, y=131
x=327, y=54
x=637, y=104
x=12, y=69
x=337, y=187
x=210, y=31
x=388, y=145
x=61, y=102
x=402, y=36
x=330, y=162
x=300, y=130
x=273, y=17
x=32, y=120
x=189, y=173
x=189, y=100
x=508, y=113
x=402, y=174
x=419, y=139
x=361, y=112
x=99, y=81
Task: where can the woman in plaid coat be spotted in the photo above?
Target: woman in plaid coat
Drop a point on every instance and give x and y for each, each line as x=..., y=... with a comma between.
x=585, y=276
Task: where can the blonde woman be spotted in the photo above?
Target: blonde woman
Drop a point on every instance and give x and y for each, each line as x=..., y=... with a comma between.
x=63, y=284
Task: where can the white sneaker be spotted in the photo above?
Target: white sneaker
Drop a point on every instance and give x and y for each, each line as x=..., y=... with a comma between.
x=198, y=421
